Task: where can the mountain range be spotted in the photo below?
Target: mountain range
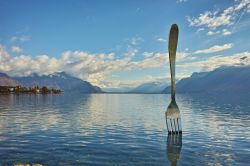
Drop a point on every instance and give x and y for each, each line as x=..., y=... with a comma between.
x=58, y=80
x=223, y=79
x=151, y=87
x=220, y=80
x=5, y=80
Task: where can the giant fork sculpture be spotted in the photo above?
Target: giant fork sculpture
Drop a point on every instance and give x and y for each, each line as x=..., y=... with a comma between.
x=173, y=118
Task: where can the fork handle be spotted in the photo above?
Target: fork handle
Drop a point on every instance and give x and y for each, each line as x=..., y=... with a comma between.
x=172, y=46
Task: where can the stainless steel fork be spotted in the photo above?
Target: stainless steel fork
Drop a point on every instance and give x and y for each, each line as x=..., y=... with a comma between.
x=173, y=118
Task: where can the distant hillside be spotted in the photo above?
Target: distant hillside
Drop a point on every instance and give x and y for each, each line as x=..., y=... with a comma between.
x=5, y=80
x=59, y=80
x=152, y=87
x=223, y=79
x=118, y=89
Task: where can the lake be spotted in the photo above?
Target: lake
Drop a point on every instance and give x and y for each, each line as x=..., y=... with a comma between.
x=123, y=129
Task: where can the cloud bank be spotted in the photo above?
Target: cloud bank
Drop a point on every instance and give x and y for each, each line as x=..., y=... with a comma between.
x=99, y=68
x=91, y=67
x=225, y=18
x=214, y=49
x=237, y=59
x=16, y=49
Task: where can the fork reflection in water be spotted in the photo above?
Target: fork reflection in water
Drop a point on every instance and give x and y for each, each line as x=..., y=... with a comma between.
x=174, y=143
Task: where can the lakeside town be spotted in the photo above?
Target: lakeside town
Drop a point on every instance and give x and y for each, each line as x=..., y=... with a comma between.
x=33, y=90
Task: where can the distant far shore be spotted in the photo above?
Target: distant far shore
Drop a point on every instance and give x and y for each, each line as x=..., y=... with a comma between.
x=132, y=93
x=31, y=90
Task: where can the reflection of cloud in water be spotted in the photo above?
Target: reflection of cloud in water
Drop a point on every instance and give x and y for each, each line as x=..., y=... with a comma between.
x=128, y=124
x=208, y=114
x=127, y=111
x=87, y=114
x=23, y=114
x=216, y=118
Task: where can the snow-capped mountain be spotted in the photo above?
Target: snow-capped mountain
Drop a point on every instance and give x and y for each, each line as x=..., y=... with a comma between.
x=59, y=80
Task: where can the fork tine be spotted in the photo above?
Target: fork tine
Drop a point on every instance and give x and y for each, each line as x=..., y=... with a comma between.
x=172, y=121
x=167, y=124
x=178, y=128
x=178, y=124
x=175, y=125
x=171, y=125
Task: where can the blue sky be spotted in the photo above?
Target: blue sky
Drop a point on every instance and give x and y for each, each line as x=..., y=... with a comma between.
x=121, y=43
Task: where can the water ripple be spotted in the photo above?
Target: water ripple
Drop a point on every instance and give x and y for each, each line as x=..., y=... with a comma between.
x=126, y=129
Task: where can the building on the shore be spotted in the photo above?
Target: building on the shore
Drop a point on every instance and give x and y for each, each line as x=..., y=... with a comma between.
x=35, y=90
x=7, y=89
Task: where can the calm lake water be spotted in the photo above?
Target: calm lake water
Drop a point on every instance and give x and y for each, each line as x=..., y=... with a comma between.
x=123, y=129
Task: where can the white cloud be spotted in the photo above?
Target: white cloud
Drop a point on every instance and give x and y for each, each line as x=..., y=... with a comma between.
x=210, y=33
x=213, y=20
x=237, y=59
x=213, y=32
x=161, y=40
x=226, y=32
x=98, y=68
x=181, y=1
x=215, y=48
x=3, y=53
x=131, y=52
x=92, y=67
x=181, y=56
x=200, y=29
x=135, y=40
x=147, y=54
x=22, y=38
x=95, y=68
x=118, y=83
x=16, y=49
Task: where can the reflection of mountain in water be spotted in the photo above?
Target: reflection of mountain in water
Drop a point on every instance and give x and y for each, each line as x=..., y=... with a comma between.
x=224, y=103
x=174, y=144
x=42, y=112
x=123, y=128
